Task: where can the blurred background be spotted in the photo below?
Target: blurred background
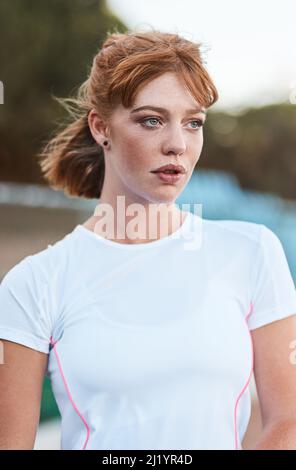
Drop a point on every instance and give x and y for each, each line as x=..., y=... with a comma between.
x=247, y=169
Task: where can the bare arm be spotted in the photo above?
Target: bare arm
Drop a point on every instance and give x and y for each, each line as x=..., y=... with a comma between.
x=275, y=376
x=21, y=379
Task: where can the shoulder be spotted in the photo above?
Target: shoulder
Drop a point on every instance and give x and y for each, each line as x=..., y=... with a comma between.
x=234, y=232
x=243, y=234
x=41, y=267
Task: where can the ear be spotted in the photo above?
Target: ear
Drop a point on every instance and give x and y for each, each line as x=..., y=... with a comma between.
x=97, y=127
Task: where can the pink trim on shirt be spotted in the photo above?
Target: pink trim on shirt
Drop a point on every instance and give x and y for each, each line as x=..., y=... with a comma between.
x=53, y=343
x=247, y=383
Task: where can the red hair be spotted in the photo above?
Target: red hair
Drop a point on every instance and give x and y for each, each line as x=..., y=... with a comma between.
x=72, y=159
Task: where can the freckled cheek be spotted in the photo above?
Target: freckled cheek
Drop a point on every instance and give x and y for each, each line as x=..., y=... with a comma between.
x=197, y=148
x=137, y=156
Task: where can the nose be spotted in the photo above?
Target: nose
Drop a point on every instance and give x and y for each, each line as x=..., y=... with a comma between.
x=174, y=142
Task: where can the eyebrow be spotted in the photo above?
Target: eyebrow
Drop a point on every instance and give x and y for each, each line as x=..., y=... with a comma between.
x=157, y=108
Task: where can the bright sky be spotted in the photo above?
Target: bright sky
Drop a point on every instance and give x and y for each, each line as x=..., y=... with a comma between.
x=250, y=45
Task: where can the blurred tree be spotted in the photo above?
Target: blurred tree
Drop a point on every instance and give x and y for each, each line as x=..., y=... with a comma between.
x=258, y=146
x=45, y=48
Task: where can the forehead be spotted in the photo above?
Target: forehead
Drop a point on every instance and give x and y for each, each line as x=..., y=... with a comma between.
x=167, y=89
x=166, y=94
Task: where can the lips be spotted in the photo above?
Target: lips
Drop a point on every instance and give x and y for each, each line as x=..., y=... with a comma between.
x=167, y=177
x=170, y=169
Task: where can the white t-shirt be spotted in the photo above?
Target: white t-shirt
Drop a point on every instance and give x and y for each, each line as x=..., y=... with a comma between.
x=149, y=344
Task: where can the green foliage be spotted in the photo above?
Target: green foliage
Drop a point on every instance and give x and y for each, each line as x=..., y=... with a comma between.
x=46, y=49
x=258, y=146
x=49, y=407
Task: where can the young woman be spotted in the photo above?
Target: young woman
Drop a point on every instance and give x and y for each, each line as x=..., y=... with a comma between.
x=149, y=340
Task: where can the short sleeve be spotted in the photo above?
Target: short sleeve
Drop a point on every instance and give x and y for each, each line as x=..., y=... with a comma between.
x=23, y=317
x=273, y=291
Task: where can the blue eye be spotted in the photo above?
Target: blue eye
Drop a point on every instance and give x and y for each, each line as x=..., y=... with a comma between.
x=200, y=123
x=143, y=122
x=150, y=119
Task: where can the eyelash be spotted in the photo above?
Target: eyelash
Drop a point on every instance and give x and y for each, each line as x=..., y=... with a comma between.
x=142, y=121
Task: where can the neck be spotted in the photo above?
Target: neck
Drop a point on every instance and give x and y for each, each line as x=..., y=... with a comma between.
x=136, y=223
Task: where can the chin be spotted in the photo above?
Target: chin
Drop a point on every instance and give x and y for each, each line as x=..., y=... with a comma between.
x=168, y=198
